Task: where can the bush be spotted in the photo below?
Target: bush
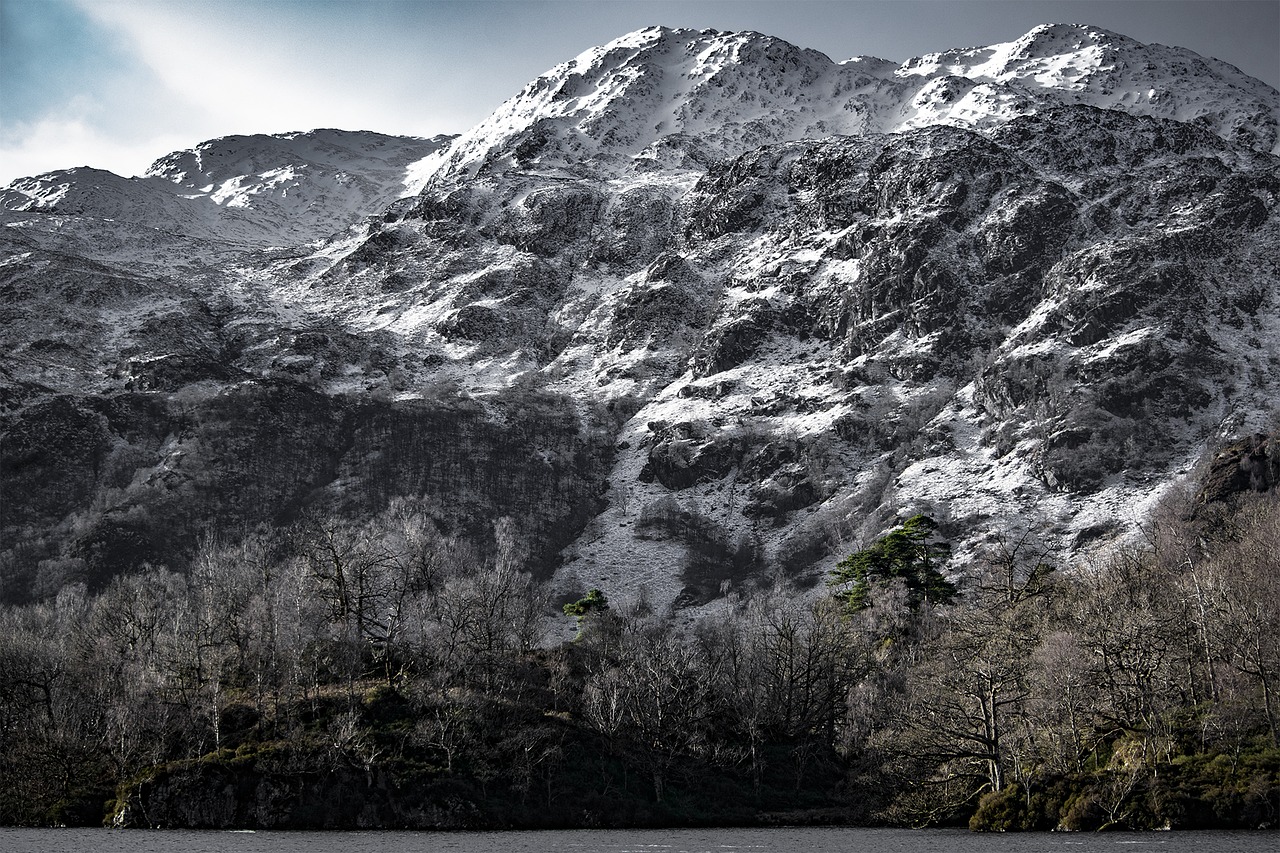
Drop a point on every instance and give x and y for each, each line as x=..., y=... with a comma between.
x=1003, y=811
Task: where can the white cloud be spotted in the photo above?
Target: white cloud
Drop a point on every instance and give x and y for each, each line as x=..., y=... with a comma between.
x=201, y=62
x=69, y=141
x=251, y=71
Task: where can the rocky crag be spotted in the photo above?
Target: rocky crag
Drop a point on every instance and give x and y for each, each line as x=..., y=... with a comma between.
x=694, y=309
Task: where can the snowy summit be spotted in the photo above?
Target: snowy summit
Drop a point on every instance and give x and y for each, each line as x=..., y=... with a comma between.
x=663, y=97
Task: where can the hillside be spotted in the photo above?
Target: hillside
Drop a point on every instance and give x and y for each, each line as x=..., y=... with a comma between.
x=716, y=434
x=737, y=306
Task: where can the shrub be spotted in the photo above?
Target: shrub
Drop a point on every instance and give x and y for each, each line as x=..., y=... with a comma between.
x=1003, y=811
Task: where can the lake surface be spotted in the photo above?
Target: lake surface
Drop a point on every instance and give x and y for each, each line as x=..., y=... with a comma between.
x=774, y=840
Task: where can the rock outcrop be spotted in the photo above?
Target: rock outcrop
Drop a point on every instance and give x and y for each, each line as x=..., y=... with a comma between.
x=1251, y=464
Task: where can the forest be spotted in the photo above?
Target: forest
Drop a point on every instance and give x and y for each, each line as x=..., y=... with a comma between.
x=380, y=674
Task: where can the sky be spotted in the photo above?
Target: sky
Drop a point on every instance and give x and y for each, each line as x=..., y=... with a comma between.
x=116, y=84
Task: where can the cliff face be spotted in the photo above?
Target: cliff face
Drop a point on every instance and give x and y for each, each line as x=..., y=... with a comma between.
x=171, y=469
x=1251, y=464
x=679, y=359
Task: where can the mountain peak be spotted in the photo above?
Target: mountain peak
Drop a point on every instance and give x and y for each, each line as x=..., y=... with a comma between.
x=1050, y=56
x=649, y=95
x=1045, y=39
x=669, y=97
x=227, y=157
x=642, y=38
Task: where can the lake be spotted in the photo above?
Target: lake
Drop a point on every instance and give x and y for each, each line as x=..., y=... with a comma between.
x=772, y=840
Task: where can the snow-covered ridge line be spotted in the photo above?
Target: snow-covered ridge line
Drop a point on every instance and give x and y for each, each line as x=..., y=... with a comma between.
x=660, y=99
x=663, y=97
x=255, y=191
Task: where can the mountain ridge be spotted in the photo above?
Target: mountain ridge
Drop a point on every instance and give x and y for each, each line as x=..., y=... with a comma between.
x=599, y=100
x=243, y=195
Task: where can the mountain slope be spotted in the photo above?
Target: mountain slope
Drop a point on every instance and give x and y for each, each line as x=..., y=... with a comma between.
x=693, y=310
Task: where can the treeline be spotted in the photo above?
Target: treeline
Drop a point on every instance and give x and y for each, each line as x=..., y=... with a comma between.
x=379, y=674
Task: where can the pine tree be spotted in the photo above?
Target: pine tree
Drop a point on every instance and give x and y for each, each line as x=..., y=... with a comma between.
x=910, y=552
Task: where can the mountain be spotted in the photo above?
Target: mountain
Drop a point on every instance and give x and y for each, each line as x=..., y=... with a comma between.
x=694, y=309
x=1089, y=65
x=244, y=191
x=662, y=98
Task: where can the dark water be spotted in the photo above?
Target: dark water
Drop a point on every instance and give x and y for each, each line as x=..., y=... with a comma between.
x=781, y=840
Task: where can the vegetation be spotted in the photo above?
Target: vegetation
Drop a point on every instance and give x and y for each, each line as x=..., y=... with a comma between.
x=910, y=554
x=593, y=602
x=380, y=674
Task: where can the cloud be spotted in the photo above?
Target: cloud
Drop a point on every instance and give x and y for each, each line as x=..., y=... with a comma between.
x=75, y=94
x=51, y=54
x=120, y=84
x=210, y=63
x=267, y=67
x=68, y=141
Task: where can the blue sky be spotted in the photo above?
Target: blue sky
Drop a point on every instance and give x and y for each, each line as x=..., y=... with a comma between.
x=118, y=83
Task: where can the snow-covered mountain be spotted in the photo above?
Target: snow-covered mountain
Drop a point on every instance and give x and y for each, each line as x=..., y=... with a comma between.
x=1088, y=65
x=248, y=191
x=661, y=98
x=693, y=309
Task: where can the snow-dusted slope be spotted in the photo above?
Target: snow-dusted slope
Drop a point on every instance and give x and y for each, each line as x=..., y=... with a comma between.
x=305, y=185
x=663, y=97
x=694, y=309
x=674, y=98
x=252, y=191
x=1089, y=65
x=95, y=193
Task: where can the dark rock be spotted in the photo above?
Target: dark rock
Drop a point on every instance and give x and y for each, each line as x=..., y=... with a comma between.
x=473, y=322
x=266, y=450
x=1248, y=465
x=684, y=454
x=780, y=495
x=1027, y=230
x=375, y=249
x=649, y=313
x=550, y=218
x=726, y=346
x=639, y=224
x=51, y=459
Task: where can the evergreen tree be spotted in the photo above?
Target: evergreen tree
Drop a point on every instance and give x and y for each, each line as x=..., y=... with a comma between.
x=911, y=553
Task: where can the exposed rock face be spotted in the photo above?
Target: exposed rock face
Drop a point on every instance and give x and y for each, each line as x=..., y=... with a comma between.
x=1249, y=465
x=266, y=450
x=684, y=454
x=1037, y=315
